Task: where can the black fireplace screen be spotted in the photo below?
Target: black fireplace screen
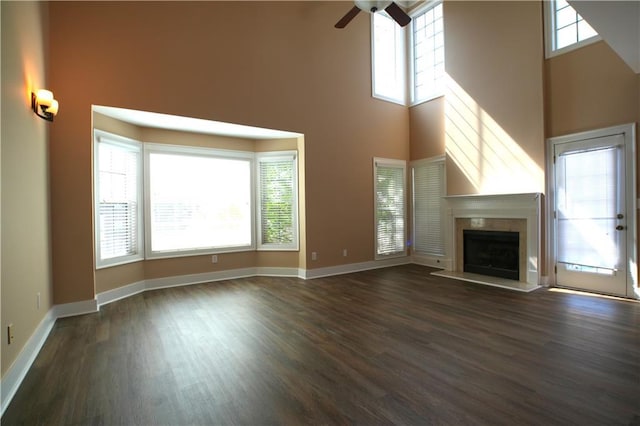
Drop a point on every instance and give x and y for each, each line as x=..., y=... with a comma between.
x=494, y=253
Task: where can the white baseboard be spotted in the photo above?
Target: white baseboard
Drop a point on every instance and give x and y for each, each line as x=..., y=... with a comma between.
x=432, y=261
x=120, y=293
x=279, y=272
x=182, y=280
x=16, y=373
x=546, y=281
x=11, y=380
x=129, y=290
x=354, y=267
x=75, y=308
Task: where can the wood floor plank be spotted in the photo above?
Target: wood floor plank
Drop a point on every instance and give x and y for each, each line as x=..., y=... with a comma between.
x=390, y=346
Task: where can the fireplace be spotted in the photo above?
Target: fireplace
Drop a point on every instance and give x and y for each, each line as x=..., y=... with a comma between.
x=515, y=219
x=493, y=253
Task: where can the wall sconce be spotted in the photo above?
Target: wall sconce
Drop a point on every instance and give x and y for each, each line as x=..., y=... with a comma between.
x=44, y=105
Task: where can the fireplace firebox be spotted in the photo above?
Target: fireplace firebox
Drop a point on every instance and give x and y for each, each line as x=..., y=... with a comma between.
x=494, y=253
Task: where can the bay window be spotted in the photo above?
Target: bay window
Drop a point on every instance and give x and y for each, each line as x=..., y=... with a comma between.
x=196, y=200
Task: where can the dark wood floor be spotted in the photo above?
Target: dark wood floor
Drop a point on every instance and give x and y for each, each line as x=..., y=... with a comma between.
x=380, y=347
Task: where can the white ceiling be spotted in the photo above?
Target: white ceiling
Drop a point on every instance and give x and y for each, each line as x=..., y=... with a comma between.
x=188, y=124
x=618, y=23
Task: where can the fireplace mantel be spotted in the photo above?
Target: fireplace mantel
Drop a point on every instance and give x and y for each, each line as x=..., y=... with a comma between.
x=497, y=211
x=500, y=205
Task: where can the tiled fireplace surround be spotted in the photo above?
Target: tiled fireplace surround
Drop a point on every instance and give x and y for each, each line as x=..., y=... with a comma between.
x=502, y=212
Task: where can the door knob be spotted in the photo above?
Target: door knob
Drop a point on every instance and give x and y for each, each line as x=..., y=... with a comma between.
x=620, y=216
x=620, y=228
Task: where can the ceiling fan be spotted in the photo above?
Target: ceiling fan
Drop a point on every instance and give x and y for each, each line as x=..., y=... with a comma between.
x=372, y=6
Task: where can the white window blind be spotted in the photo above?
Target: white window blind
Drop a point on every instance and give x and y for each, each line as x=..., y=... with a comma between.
x=587, y=208
x=277, y=188
x=390, y=200
x=197, y=201
x=428, y=54
x=428, y=190
x=118, y=200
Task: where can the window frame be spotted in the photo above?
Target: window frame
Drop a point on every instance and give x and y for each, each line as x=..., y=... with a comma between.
x=277, y=156
x=150, y=148
x=438, y=161
x=100, y=136
x=390, y=163
x=401, y=61
x=440, y=90
x=550, y=33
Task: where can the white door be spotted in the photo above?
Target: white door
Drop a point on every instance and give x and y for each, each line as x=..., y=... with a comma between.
x=591, y=214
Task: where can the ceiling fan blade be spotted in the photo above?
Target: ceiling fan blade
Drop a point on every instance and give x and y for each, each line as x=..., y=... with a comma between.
x=348, y=17
x=398, y=14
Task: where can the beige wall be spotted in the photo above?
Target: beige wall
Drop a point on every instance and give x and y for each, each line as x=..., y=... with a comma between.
x=490, y=122
x=25, y=257
x=589, y=88
x=427, y=129
x=494, y=111
x=277, y=65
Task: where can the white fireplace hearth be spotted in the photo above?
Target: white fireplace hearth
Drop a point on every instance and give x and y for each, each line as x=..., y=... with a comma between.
x=500, y=212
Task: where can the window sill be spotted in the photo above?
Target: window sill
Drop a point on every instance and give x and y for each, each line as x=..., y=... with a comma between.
x=124, y=261
x=572, y=47
x=429, y=99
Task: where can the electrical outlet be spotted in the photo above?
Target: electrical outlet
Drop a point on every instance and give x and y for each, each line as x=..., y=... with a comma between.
x=344, y=252
x=10, y=336
x=214, y=258
x=314, y=255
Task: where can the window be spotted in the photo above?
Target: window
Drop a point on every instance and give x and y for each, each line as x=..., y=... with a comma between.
x=118, y=199
x=428, y=180
x=199, y=200
x=390, y=200
x=427, y=54
x=565, y=29
x=277, y=195
x=388, y=62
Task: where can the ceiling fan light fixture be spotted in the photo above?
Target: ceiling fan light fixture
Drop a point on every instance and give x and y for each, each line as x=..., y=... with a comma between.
x=373, y=6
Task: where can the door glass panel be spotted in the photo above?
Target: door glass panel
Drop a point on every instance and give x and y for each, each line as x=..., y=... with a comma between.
x=587, y=209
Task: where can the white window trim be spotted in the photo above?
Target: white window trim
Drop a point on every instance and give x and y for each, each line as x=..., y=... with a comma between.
x=402, y=50
x=410, y=54
x=392, y=163
x=550, y=35
x=131, y=144
x=150, y=148
x=277, y=156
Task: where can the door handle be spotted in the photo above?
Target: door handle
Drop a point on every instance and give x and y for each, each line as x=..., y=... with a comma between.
x=620, y=216
x=620, y=228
